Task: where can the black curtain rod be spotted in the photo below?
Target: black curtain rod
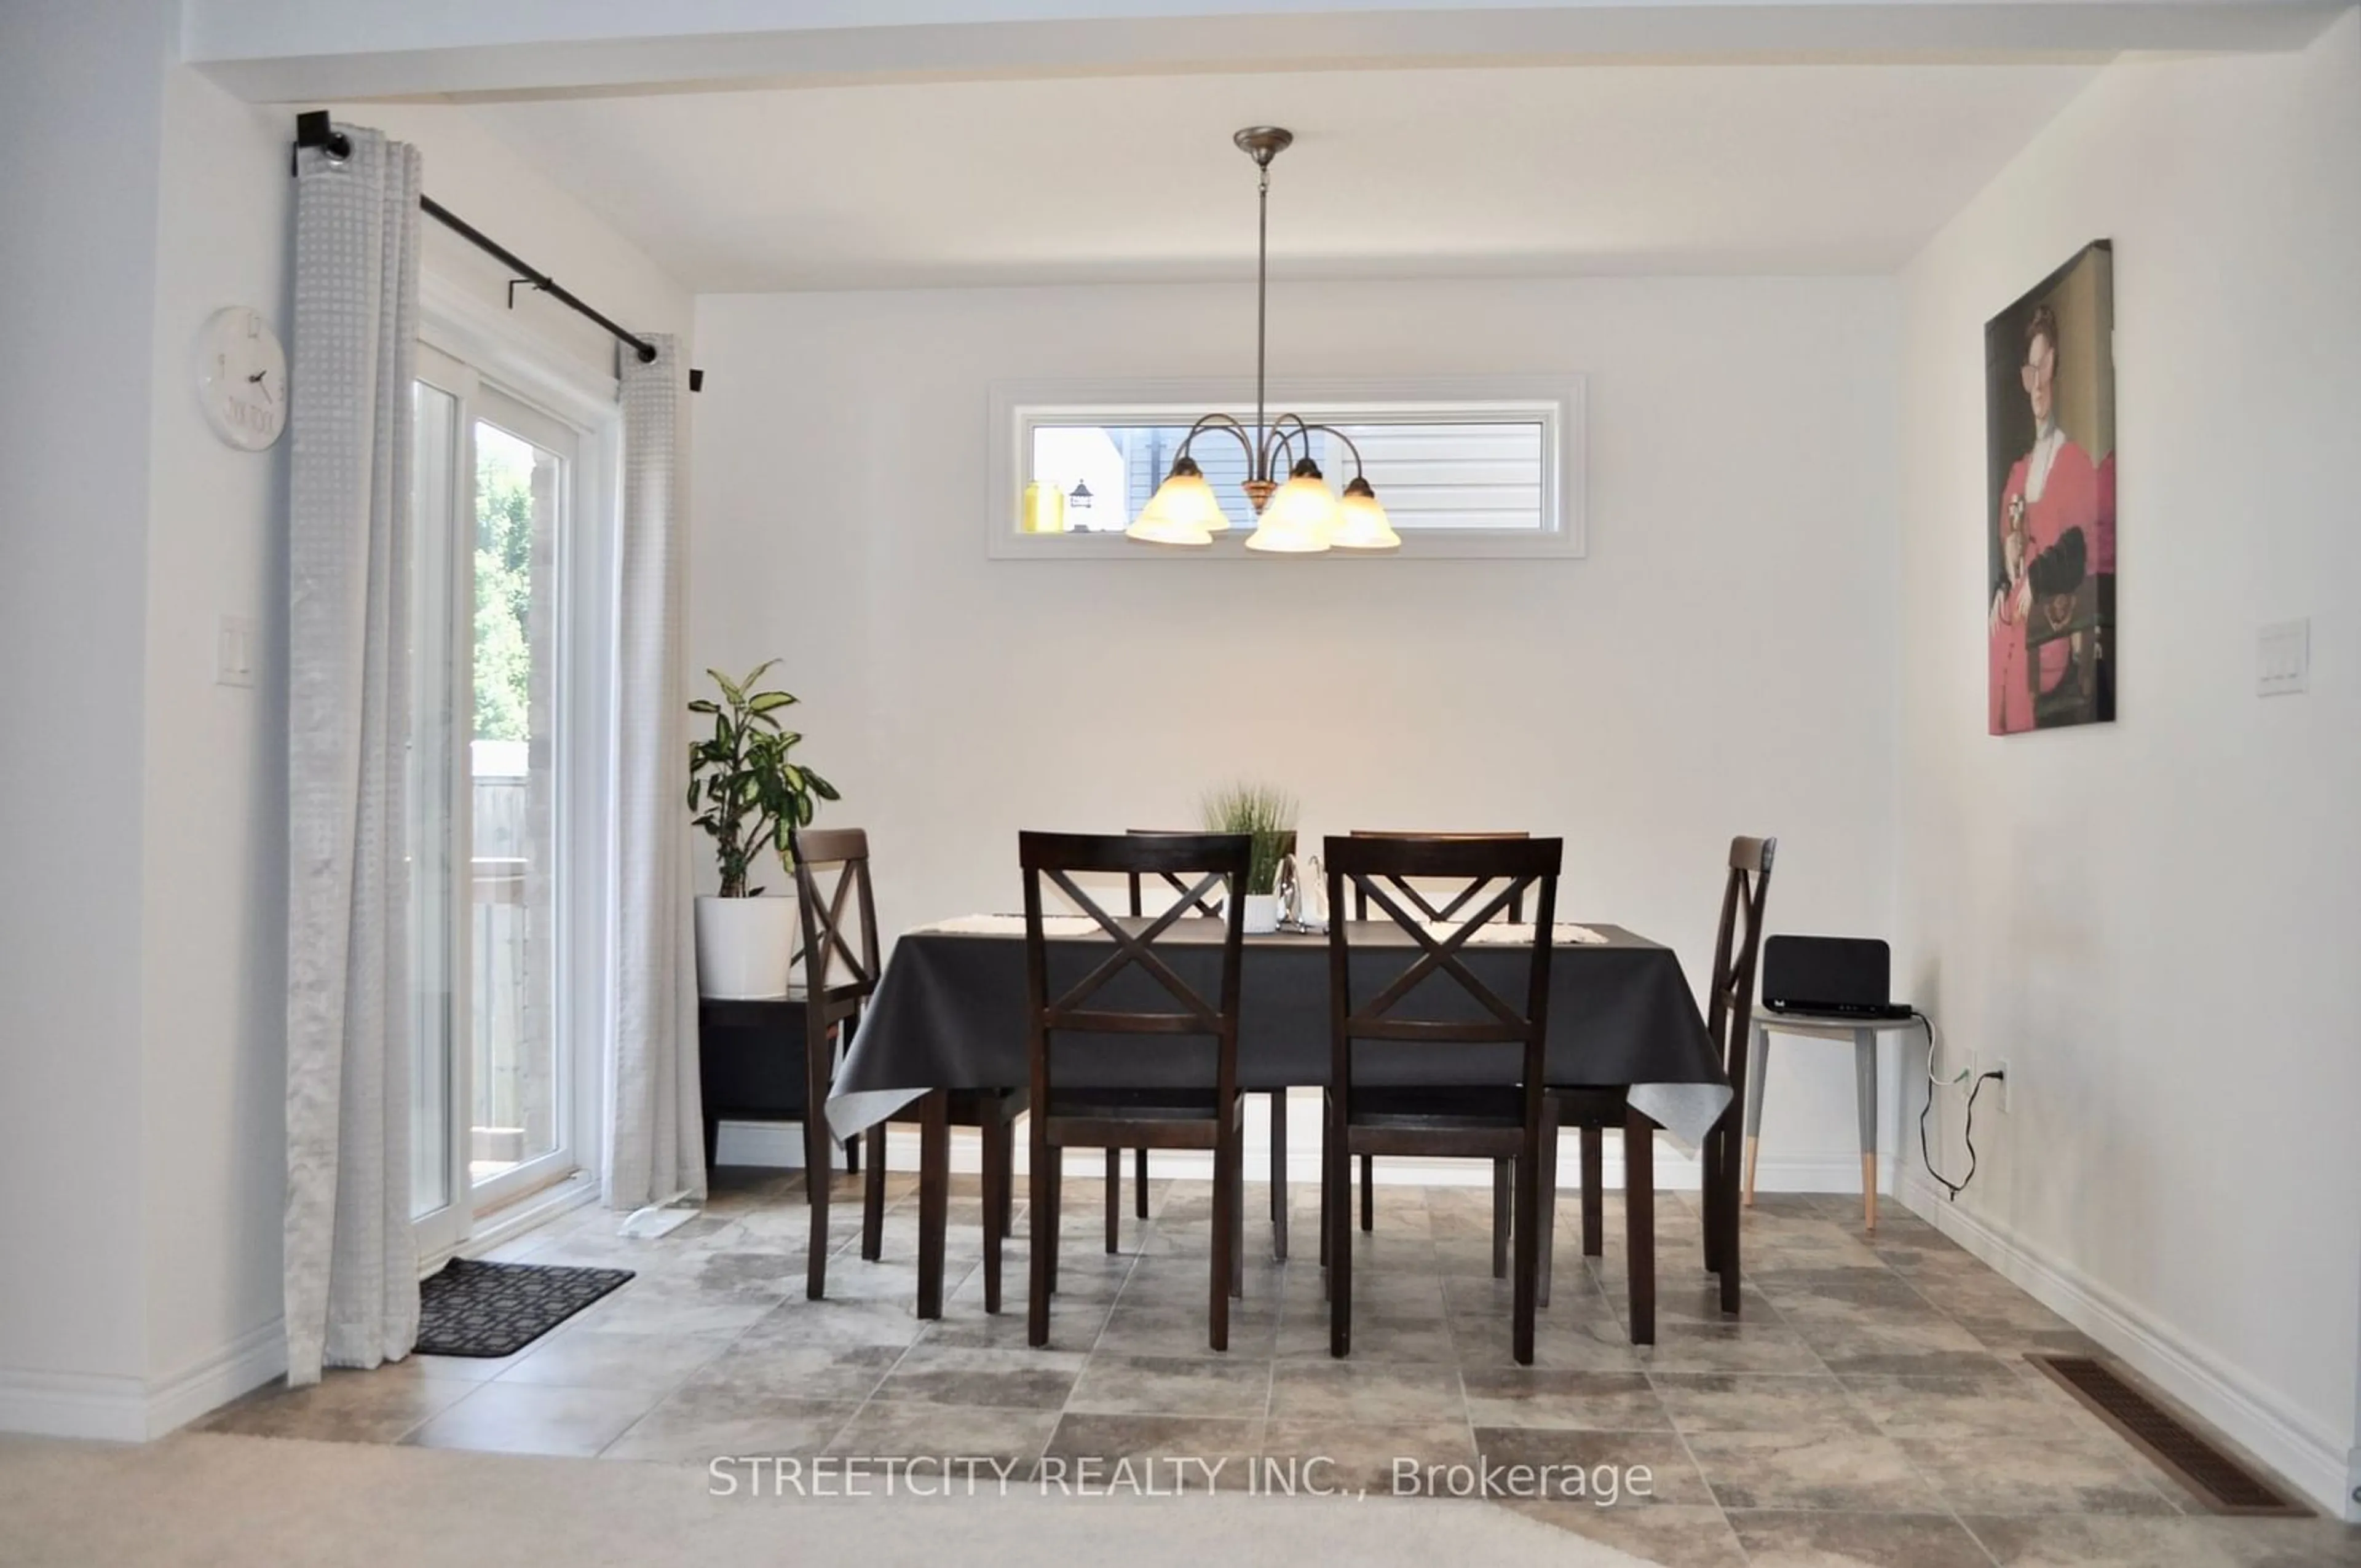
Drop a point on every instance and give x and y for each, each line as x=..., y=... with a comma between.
x=312, y=129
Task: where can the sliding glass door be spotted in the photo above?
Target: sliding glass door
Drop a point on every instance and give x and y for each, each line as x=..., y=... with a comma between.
x=493, y=1083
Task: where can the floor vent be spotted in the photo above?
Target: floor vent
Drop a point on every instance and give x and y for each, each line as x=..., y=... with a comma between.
x=2220, y=1482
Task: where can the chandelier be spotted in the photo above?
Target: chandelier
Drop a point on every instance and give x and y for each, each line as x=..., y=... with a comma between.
x=1300, y=516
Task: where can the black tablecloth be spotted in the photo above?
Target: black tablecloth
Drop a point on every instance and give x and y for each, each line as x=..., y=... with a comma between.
x=949, y=1013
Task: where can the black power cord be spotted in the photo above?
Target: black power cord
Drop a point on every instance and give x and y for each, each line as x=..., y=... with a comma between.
x=1951, y=1189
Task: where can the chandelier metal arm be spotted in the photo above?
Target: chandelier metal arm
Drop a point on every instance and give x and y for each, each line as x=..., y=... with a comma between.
x=1306, y=430
x=1230, y=425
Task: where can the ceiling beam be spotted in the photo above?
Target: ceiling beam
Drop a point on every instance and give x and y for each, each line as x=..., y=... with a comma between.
x=345, y=50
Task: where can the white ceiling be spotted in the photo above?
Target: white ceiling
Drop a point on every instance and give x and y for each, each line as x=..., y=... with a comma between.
x=1394, y=173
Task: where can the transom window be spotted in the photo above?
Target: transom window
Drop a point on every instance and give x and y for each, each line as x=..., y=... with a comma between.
x=1478, y=468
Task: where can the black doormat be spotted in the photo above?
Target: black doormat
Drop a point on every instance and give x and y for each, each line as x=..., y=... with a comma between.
x=497, y=1309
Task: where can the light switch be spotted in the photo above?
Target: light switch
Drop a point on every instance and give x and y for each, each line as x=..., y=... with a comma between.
x=2283, y=658
x=234, y=652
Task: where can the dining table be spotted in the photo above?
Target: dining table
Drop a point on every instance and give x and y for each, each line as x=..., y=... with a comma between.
x=950, y=1013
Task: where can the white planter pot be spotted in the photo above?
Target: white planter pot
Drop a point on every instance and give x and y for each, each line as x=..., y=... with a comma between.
x=1262, y=912
x=744, y=947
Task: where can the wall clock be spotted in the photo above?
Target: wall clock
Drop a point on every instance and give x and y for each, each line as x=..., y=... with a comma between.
x=242, y=378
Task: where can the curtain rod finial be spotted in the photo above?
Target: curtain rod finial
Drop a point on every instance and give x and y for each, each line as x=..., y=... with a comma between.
x=312, y=129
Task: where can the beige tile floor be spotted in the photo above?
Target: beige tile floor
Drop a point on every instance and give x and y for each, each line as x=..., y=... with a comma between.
x=1872, y=1405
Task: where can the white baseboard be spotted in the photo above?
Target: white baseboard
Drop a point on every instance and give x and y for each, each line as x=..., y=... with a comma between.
x=127, y=1410
x=780, y=1144
x=73, y=1404
x=247, y=1363
x=2313, y=1461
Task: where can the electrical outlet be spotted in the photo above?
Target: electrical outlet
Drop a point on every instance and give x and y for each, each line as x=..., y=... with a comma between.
x=2283, y=658
x=2001, y=1086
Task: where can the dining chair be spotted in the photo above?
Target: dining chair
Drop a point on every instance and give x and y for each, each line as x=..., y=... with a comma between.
x=1202, y=907
x=1493, y=1115
x=1730, y=1011
x=839, y=965
x=1158, y=1002
x=1438, y=906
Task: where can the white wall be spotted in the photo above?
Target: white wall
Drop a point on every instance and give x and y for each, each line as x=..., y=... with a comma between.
x=2154, y=920
x=79, y=118
x=213, y=878
x=1720, y=664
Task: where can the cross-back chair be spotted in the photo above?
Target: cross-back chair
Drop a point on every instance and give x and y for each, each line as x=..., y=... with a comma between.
x=1729, y=1015
x=1440, y=904
x=1156, y=1002
x=1207, y=909
x=840, y=965
x=1485, y=1114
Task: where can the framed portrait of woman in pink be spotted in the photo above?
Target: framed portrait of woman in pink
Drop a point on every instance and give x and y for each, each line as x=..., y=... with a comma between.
x=2049, y=390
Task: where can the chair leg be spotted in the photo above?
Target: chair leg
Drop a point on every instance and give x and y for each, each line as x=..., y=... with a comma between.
x=1042, y=1214
x=1726, y=1253
x=1503, y=1185
x=873, y=1198
x=1639, y=1221
x=712, y=1140
x=1327, y=1194
x=1139, y=1182
x=1279, y=1175
x=1114, y=1201
x=1222, y=1263
x=1864, y=1077
x=1544, y=1239
x=1056, y=1210
x=1711, y=1159
x=1594, y=1192
x=934, y=1199
x=1524, y=1296
x=853, y=1156
x=996, y=1139
x=1340, y=1241
x=818, y=1158
x=1369, y=1192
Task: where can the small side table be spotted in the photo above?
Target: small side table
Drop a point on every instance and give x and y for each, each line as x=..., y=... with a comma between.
x=1862, y=1033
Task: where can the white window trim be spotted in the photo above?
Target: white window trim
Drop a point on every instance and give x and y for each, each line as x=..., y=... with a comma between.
x=540, y=372
x=1017, y=407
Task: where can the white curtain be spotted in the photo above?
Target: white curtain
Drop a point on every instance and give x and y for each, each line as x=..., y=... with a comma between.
x=655, y=1138
x=351, y=1263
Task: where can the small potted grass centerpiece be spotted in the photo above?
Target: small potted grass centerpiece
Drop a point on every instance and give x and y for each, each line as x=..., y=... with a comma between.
x=748, y=796
x=1266, y=816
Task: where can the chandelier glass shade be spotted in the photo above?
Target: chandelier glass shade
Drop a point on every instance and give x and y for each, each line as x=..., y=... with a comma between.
x=1300, y=516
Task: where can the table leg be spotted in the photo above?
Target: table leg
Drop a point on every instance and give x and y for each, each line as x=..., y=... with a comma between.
x=873, y=1198
x=1864, y=1074
x=1114, y=1201
x=1639, y=1221
x=1594, y=1191
x=934, y=1198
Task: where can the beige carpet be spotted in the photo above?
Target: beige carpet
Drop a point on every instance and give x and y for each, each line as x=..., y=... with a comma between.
x=208, y=1499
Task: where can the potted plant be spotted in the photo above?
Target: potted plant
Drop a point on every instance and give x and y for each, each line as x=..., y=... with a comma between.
x=1266, y=816
x=748, y=796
